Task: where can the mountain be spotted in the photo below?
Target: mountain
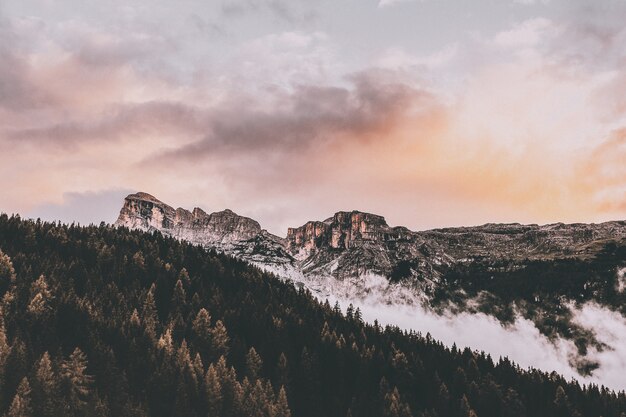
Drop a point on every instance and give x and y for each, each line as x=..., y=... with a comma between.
x=224, y=231
x=100, y=321
x=353, y=244
x=538, y=272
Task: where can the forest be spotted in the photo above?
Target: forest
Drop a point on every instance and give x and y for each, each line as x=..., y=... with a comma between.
x=104, y=321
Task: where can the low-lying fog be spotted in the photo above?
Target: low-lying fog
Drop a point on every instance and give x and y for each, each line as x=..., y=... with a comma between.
x=521, y=342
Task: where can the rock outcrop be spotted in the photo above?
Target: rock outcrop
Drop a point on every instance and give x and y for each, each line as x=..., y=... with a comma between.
x=224, y=231
x=353, y=244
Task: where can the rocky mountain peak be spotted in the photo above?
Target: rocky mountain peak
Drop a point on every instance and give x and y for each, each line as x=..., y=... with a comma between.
x=144, y=211
x=338, y=232
x=351, y=244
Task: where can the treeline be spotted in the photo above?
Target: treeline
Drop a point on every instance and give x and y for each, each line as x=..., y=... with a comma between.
x=97, y=321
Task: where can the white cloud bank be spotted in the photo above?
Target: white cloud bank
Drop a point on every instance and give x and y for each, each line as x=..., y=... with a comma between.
x=521, y=342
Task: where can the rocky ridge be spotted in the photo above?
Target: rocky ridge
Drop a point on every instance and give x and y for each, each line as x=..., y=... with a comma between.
x=224, y=231
x=355, y=244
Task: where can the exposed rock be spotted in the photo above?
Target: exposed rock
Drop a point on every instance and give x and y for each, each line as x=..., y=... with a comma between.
x=353, y=244
x=224, y=231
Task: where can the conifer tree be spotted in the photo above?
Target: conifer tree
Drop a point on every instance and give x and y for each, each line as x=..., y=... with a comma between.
x=256, y=403
x=513, y=405
x=219, y=340
x=213, y=390
x=464, y=408
x=350, y=312
x=166, y=343
x=179, y=298
x=282, y=406
x=562, y=406
x=254, y=363
x=149, y=313
x=5, y=349
x=77, y=383
x=198, y=367
x=443, y=399
x=135, y=321
x=45, y=383
x=7, y=272
x=282, y=371
x=21, y=404
x=40, y=299
x=394, y=407
x=183, y=358
x=337, y=309
x=202, y=329
x=183, y=276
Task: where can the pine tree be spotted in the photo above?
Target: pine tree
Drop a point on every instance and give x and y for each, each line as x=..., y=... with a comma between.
x=7, y=272
x=202, y=329
x=464, y=408
x=213, y=390
x=21, y=407
x=350, y=312
x=135, y=321
x=5, y=350
x=45, y=392
x=232, y=392
x=179, y=299
x=166, y=343
x=40, y=299
x=254, y=363
x=513, y=405
x=219, y=340
x=149, y=314
x=198, y=367
x=281, y=408
x=282, y=371
x=443, y=399
x=77, y=382
x=561, y=403
x=337, y=308
x=394, y=407
x=183, y=357
x=183, y=276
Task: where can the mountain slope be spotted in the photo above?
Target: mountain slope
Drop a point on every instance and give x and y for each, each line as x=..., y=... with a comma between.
x=505, y=270
x=101, y=321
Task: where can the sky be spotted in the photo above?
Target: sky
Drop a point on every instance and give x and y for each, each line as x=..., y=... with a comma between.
x=430, y=112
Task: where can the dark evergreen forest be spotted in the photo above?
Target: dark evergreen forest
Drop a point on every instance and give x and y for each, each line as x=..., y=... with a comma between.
x=98, y=321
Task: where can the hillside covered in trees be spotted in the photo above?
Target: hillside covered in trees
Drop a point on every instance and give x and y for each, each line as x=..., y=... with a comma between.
x=99, y=321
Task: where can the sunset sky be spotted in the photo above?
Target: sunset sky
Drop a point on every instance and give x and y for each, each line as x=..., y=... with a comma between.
x=430, y=112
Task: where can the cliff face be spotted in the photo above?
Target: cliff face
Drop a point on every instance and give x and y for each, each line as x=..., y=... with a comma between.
x=143, y=211
x=352, y=244
x=224, y=231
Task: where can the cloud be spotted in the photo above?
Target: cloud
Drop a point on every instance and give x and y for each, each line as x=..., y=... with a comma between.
x=531, y=2
x=292, y=12
x=527, y=33
x=605, y=165
x=306, y=118
x=386, y=3
x=122, y=121
x=520, y=341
